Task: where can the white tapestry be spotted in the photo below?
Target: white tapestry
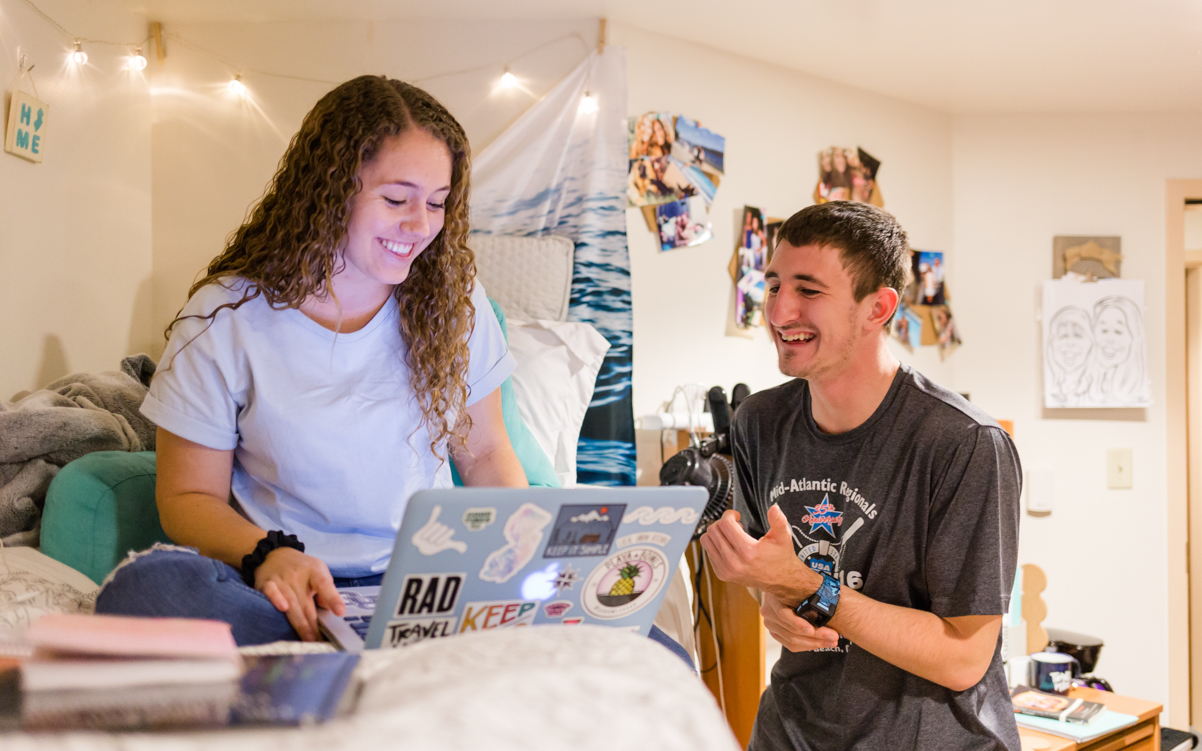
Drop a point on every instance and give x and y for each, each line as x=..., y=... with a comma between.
x=561, y=169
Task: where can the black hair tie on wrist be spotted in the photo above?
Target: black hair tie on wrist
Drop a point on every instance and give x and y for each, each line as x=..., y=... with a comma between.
x=274, y=539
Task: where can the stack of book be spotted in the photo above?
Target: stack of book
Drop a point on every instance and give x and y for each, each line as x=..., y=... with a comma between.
x=113, y=673
x=109, y=672
x=1067, y=717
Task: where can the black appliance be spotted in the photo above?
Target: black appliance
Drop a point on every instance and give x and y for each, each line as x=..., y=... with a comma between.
x=1086, y=650
x=708, y=465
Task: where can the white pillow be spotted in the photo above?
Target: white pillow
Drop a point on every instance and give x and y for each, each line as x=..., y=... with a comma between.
x=557, y=369
x=530, y=277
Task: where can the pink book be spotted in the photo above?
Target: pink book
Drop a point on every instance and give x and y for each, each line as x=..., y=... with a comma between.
x=119, y=636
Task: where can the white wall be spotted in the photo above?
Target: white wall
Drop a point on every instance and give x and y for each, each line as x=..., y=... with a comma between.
x=75, y=244
x=775, y=122
x=1020, y=180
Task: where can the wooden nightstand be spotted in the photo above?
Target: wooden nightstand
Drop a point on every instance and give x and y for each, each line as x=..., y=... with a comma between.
x=1142, y=736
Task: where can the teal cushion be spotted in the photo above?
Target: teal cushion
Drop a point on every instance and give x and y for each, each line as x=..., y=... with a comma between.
x=539, y=470
x=98, y=508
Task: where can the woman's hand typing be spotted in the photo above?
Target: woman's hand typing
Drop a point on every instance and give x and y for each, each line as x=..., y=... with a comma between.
x=291, y=580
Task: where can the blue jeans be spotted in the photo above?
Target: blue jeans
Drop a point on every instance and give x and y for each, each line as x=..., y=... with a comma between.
x=181, y=583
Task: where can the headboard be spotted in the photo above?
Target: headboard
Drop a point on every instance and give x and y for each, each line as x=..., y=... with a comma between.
x=531, y=277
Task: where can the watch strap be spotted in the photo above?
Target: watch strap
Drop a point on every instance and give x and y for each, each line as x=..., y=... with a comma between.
x=819, y=608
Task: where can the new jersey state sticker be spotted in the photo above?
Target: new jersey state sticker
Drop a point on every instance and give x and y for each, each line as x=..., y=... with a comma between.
x=624, y=583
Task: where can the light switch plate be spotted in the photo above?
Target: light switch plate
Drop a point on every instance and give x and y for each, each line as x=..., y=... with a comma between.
x=1041, y=490
x=1119, y=469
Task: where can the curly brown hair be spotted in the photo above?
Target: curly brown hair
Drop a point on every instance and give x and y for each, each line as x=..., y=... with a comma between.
x=289, y=247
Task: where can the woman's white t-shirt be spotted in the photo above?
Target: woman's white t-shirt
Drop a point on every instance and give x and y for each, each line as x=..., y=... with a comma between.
x=327, y=436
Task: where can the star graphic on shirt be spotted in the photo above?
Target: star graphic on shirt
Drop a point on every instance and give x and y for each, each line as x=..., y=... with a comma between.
x=566, y=578
x=823, y=516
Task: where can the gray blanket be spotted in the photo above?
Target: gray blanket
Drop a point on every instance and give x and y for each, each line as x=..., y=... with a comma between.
x=77, y=414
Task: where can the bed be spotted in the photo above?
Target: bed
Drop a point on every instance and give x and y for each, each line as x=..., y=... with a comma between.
x=584, y=687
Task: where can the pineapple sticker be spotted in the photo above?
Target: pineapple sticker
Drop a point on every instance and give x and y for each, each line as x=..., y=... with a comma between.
x=625, y=582
x=624, y=586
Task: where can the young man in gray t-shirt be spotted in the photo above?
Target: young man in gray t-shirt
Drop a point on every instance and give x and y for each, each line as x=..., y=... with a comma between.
x=864, y=478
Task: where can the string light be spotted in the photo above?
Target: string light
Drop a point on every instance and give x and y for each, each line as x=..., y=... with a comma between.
x=137, y=62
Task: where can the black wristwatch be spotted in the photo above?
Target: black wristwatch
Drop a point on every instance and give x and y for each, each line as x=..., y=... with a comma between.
x=820, y=607
x=274, y=539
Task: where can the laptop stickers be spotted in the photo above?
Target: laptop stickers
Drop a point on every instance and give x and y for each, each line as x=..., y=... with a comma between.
x=470, y=560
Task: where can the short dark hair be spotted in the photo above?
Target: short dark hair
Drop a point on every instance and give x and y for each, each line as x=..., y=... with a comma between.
x=872, y=245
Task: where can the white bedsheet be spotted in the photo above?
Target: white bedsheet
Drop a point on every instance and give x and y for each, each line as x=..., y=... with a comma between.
x=582, y=688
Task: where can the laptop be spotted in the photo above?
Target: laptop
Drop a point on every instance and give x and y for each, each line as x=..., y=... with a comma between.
x=476, y=559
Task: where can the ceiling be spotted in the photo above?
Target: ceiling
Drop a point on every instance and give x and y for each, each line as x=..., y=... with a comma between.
x=959, y=56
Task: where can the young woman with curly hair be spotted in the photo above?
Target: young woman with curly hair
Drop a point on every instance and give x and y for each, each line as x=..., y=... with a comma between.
x=331, y=359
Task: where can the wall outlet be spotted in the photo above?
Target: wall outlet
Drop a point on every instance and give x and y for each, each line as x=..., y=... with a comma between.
x=1119, y=469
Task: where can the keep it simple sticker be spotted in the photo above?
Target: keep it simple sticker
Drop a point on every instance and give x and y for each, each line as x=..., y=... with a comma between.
x=584, y=530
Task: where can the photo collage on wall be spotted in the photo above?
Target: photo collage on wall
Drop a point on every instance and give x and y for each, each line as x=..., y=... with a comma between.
x=924, y=316
x=846, y=174
x=675, y=168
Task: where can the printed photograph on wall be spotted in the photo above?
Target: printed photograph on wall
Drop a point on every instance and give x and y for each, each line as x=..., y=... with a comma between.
x=1095, y=351
x=747, y=269
x=947, y=337
x=907, y=327
x=657, y=180
x=651, y=135
x=928, y=270
x=682, y=224
x=699, y=147
x=846, y=174
x=772, y=231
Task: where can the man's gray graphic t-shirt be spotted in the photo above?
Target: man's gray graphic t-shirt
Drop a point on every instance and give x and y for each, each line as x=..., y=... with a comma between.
x=917, y=507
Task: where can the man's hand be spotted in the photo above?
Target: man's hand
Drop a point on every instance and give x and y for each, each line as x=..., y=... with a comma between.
x=291, y=579
x=795, y=633
x=768, y=564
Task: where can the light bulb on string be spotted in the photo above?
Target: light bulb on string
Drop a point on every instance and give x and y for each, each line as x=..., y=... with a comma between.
x=78, y=56
x=588, y=104
x=236, y=85
x=508, y=79
x=137, y=62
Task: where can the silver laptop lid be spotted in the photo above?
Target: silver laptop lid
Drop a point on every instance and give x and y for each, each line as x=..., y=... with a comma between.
x=475, y=559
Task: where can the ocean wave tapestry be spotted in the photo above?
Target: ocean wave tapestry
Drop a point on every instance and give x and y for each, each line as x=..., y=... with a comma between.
x=561, y=169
